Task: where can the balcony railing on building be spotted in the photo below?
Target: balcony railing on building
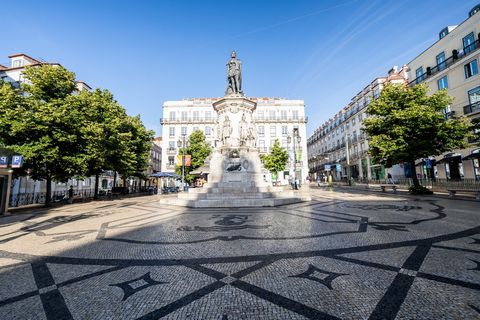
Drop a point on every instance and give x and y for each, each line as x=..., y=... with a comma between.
x=449, y=115
x=172, y=151
x=186, y=120
x=280, y=119
x=456, y=55
x=471, y=108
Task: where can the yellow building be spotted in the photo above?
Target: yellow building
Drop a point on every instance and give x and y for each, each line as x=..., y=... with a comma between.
x=452, y=63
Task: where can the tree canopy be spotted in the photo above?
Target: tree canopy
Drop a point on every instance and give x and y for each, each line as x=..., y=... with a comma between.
x=199, y=150
x=276, y=160
x=406, y=124
x=63, y=133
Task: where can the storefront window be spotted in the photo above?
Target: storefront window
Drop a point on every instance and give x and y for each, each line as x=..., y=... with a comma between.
x=476, y=168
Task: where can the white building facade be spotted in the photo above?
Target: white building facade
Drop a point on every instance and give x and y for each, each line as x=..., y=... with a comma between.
x=452, y=64
x=274, y=118
x=327, y=147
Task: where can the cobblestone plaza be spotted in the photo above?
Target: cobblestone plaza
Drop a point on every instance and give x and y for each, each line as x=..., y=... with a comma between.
x=344, y=255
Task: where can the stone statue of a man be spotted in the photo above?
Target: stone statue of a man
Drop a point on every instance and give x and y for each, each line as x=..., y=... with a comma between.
x=226, y=130
x=243, y=130
x=234, y=75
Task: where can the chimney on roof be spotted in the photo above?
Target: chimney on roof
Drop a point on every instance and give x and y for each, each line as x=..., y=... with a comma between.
x=393, y=70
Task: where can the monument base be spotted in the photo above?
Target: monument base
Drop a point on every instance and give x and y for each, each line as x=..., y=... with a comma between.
x=235, y=203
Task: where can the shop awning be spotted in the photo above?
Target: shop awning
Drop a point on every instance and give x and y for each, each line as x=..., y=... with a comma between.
x=164, y=175
x=449, y=157
x=475, y=154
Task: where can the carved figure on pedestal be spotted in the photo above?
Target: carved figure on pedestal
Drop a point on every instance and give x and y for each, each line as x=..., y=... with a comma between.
x=251, y=138
x=234, y=75
x=226, y=130
x=243, y=131
x=218, y=134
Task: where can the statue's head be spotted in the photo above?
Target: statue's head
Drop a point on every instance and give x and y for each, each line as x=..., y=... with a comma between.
x=234, y=54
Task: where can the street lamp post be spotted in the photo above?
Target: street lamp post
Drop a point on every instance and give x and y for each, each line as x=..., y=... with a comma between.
x=295, y=138
x=347, y=154
x=183, y=145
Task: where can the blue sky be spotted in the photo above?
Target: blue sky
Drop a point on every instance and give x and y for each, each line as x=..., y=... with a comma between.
x=147, y=52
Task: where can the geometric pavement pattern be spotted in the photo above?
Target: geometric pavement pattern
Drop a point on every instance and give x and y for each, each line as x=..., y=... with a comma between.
x=344, y=255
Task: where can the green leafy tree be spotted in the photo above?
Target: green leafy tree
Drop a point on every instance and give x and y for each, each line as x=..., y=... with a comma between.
x=139, y=144
x=406, y=124
x=107, y=140
x=42, y=126
x=476, y=131
x=199, y=150
x=63, y=133
x=276, y=160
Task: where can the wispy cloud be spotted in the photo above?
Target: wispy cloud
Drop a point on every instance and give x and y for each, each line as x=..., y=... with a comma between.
x=315, y=66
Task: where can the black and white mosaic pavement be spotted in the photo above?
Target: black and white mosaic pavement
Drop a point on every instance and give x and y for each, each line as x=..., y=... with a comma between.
x=341, y=256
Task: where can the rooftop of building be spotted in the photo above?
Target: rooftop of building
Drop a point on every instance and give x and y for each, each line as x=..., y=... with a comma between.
x=34, y=62
x=474, y=12
x=208, y=101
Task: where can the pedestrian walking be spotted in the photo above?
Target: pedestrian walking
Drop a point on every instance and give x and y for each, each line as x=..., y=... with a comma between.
x=390, y=179
x=70, y=195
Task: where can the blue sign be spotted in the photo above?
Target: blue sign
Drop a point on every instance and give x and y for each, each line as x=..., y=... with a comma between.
x=339, y=167
x=428, y=164
x=327, y=167
x=17, y=161
x=3, y=162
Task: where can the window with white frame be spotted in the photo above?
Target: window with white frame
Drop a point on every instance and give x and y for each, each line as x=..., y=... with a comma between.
x=171, y=115
x=208, y=131
x=261, y=145
x=419, y=75
x=196, y=115
x=184, y=115
x=442, y=83
x=271, y=115
x=469, y=43
x=471, y=68
x=474, y=95
x=184, y=131
x=284, y=130
x=171, y=161
x=283, y=114
x=273, y=131
x=261, y=131
x=260, y=115
x=171, y=132
x=208, y=115
x=295, y=114
x=441, y=61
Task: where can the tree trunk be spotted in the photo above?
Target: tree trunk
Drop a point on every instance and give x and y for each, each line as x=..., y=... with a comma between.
x=48, y=194
x=115, y=178
x=414, y=174
x=95, y=192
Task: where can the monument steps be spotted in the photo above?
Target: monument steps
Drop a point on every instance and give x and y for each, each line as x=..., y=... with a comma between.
x=235, y=203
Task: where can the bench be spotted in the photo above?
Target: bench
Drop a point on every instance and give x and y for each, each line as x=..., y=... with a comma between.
x=451, y=192
x=392, y=186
